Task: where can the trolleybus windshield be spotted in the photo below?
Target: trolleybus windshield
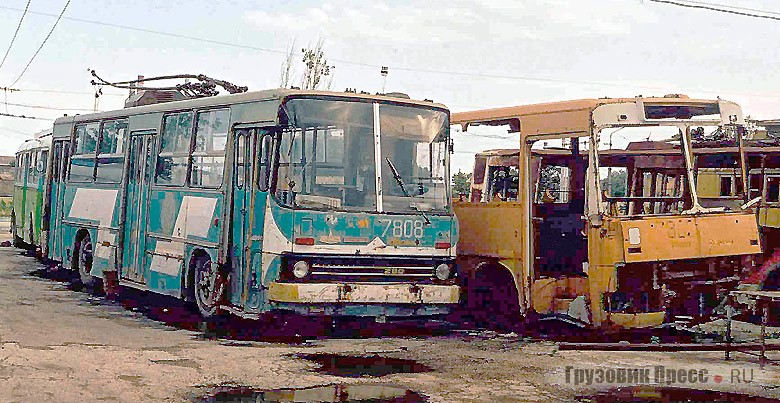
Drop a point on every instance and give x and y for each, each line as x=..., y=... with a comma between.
x=328, y=157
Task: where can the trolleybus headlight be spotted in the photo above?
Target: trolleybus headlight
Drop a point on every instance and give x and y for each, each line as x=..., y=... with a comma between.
x=300, y=269
x=442, y=271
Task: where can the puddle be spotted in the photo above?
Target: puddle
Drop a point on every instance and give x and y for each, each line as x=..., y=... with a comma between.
x=644, y=394
x=356, y=366
x=317, y=394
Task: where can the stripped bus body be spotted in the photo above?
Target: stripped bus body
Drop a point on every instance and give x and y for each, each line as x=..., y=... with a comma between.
x=720, y=186
x=577, y=251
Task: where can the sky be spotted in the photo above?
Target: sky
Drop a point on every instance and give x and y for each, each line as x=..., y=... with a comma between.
x=466, y=54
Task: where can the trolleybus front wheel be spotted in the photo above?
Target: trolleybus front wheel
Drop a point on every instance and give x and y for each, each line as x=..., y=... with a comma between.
x=492, y=300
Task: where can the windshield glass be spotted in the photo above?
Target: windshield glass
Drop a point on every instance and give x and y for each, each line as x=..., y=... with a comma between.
x=414, y=158
x=326, y=156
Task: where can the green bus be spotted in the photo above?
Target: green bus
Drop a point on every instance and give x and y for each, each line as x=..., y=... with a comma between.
x=29, y=182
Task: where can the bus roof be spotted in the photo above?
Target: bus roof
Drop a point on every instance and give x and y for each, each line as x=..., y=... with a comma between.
x=41, y=139
x=278, y=93
x=573, y=116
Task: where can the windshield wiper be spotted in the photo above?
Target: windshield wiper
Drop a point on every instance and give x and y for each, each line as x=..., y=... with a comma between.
x=403, y=189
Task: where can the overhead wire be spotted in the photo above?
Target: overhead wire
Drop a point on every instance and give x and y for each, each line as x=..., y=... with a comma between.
x=152, y=31
x=10, y=115
x=13, y=39
x=704, y=6
x=114, y=94
x=729, y=6
x=400, y=68
x=67, y=3
x=53, y=108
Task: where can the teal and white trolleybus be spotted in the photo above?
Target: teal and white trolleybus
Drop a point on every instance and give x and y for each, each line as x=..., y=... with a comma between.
x=312, y=202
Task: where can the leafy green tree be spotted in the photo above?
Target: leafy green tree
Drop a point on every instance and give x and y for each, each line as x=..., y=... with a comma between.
x=461, y=183
x=317, y=73
x=616, y=182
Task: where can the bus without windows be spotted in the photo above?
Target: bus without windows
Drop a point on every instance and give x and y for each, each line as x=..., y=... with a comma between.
x=317, y=203
x=549, y=231
x=726, y=184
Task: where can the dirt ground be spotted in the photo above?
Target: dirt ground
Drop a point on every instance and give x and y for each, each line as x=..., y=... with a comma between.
x=61, y=344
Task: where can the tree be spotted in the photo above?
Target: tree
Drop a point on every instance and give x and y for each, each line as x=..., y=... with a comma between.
x=288, y=69
x=317, y=73
x=461, y=183
x=616, y=182
x=316, y=68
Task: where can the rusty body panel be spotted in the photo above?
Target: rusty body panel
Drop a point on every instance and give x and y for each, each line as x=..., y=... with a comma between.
x=662, y=238
x=500, y=234
x=574, y=254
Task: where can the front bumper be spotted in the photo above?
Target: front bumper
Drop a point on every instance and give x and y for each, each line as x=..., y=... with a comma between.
x=318, y=293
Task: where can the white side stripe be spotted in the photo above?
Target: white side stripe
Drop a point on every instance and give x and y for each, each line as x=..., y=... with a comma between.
x=194, y=218
x=96, y=205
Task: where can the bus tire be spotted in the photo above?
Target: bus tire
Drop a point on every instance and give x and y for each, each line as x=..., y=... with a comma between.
x=82, y=262
x=18, y=242
x=32, y=231
x=203, y=274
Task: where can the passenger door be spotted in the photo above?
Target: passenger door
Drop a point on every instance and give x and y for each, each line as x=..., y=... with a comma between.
x=242, y=197
x=250, y=168
x=59, y=175
x=139, y=174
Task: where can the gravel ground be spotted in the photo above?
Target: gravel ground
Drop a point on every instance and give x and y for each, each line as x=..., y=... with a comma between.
x=61, y=344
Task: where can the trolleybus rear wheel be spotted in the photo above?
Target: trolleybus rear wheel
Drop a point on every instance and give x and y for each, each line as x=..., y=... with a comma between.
x=18, y=241
x=203, y=284
x=83, y=263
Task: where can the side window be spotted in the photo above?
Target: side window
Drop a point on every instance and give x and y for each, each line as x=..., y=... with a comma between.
x=265, y=153
x=174, y=149
x=26, y=169
x=27, y=166
x=65, y=163
x=725, y=186
x=17, y=168
x=82, y=163
x=32, y=174
x=42, y=163
x=773, y=189
x=110, y=159
x=55, y=168
x=208, y=157
x=241, y=139
x=20, y=168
